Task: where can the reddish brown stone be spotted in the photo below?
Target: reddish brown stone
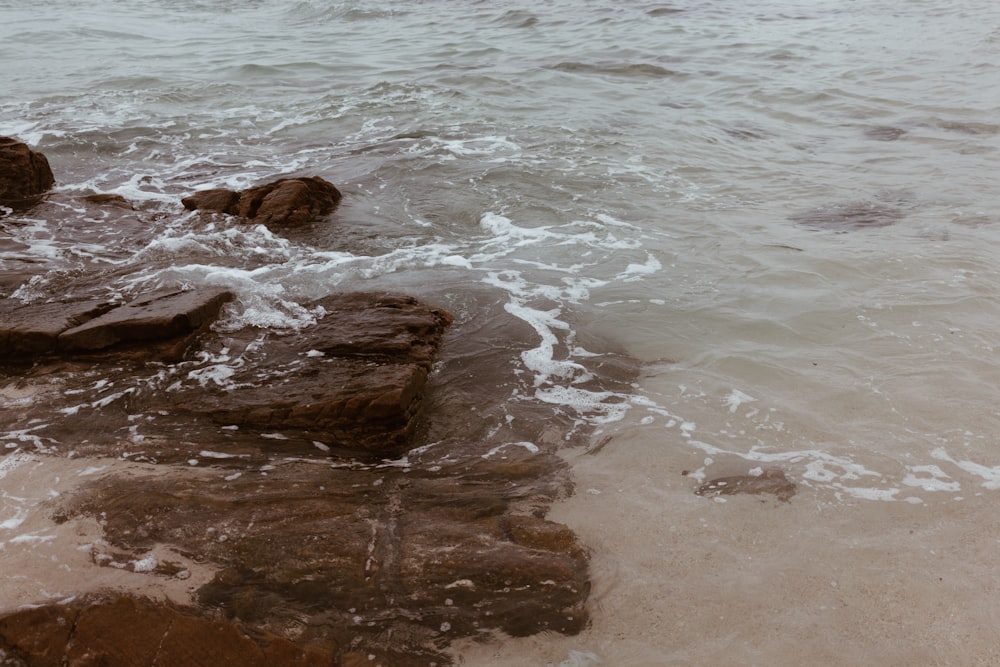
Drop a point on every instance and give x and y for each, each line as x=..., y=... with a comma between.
x=772, y=482
x=217, y=199
x=130, y=632
x=41, y=634
x=355, y=379
x=31, y=329
x=282, y=203
x=289, y=202
x=154, y=317
x=24, y=174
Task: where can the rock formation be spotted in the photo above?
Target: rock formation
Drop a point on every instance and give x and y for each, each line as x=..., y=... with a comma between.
x=88, y=326
x=24, y=174
x=131, y=632
x=359, y=497
x=286, y=202
x=319, y=539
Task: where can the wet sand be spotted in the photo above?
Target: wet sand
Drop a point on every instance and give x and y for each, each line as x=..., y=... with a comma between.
x=681, y=579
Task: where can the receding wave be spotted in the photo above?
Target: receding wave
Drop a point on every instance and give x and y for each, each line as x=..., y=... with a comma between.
x=638, y=70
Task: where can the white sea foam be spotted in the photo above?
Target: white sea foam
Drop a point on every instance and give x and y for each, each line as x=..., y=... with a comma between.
x=530, y=446
x=989, y=475
x=15, y=521
x=737, y=398
x=13, y=461
x=930, y=478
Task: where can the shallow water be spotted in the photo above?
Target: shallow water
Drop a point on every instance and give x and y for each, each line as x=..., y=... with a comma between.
x=786, y=211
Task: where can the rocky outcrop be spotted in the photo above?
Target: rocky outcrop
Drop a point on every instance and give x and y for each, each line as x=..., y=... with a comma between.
x=355, y=379
x=286, y=202
x=28, y=330
x=24, y=174
x=358, y=498
x=158, y=316
x=339, y=525
x=134, y=632
x=424, y=552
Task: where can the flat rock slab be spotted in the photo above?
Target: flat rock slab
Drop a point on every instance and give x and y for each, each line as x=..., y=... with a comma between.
x=355, y=379
x=33, y=329
x=154, y=317
x=28, y=330
x=424, y=554
x=134, y=632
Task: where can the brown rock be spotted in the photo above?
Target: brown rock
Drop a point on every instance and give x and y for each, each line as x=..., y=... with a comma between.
x=289, y=202
x=24, y=174
x=31, y=329
x=355, y=379
x=282, y=203
x=154, y=317
x=773, y=482
x=130, y=632
x=107, y=199
x=217, y=199
x=424, y=554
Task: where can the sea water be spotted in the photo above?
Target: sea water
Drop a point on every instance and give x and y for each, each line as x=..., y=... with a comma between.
x=786, y=210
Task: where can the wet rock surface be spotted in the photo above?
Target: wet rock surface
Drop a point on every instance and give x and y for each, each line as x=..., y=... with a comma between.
x=354, y=380
x=29, y=330
x=317, y=553
x=771, y=482
x=390, y=535
x=25, y=174
x=163, y=315
x=134, y=632
x=286, y=202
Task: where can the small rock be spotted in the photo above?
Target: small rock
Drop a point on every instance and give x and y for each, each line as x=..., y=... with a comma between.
x=24, y=174
x=107, y=199
x=282, y=203
x=770, y=481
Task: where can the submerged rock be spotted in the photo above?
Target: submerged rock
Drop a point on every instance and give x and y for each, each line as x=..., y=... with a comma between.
x=108, y=199
x=134, y=632
x=772, y=482
x=282, y=203
x=850, y=215
x=420, y=553
x=885, y=133
x=24, y=174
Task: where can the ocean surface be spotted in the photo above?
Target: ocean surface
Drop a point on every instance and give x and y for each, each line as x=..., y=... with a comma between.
x=787, y=211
